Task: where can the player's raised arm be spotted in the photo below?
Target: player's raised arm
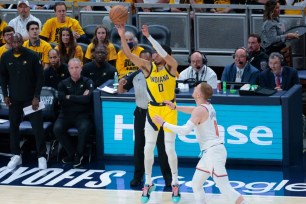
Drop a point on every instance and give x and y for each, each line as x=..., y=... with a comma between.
x=170, y=61
x=139, y=62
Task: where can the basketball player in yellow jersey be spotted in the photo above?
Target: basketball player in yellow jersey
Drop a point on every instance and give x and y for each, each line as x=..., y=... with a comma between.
x=160, y=78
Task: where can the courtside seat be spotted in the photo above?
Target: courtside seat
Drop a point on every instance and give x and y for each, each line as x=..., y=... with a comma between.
x=90, y=30
x=48, y=97
x=160, y=33
x=73, y=132
x=146, y=46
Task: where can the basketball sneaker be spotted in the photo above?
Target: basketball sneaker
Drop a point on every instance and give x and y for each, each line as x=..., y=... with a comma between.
x=146, y=192
x=15, y=161
x=176, y=196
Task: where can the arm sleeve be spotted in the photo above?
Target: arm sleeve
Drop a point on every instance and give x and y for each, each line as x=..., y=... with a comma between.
x=180, y=130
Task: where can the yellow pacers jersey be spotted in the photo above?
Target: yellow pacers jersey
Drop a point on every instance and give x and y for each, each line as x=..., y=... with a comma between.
x=2, y=50
x=2, y=26
x=52, y=27
x=161, y=87
x=124, y=64
x=42, y=49
x=112, y=53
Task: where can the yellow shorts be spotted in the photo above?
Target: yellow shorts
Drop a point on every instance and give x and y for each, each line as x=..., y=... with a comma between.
x=165, y=112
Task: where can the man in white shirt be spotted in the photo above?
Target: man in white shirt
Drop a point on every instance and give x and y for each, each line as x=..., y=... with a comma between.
x=198, y=70
x=20, y=22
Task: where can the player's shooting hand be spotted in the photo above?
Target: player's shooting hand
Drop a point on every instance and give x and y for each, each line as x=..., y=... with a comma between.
x=35, y=103
x=121, y=29
x=171, y=105
x=159, y=120
x=145, y=31
x=7, y=101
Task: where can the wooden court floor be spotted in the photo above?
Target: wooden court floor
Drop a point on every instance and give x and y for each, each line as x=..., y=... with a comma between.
x=47, y=195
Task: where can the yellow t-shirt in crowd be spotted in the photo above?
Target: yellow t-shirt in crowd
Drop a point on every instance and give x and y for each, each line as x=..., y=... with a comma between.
x=42, y=49
x=3, y=49
x=112, y=53
x=78, y=52
x=2, y=26
x=52, y=27
x=124, y=64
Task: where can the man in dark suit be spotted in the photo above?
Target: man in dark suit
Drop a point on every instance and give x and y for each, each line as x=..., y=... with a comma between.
x=278, y=76
x=241, y=70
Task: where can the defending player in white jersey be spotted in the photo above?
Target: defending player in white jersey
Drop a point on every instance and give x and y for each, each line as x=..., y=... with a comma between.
x=213, y=153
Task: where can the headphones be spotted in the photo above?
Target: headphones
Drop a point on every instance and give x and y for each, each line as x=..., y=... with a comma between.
x=246, y=53
x=279, y=56
x=204, y=59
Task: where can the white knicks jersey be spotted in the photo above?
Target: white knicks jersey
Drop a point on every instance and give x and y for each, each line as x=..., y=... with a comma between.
x=207, y=133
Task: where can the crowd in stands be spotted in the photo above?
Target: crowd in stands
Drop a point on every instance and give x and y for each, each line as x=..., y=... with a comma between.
x=75, y=72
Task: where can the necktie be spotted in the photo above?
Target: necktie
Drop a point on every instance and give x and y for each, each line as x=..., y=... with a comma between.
x=277, y=81
x=197, y=76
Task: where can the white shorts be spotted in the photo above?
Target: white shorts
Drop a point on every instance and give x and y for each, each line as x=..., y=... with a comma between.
x=213, y=161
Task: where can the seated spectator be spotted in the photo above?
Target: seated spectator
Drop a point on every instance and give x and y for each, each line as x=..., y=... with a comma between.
x=278, y=77
x=198, y=70
x=75, y=97
x=101, y=37
x=123, y=64
x=7, y=34
x=241, y=70
x=39, y=46
x=57, y=71
x=99, y=70
x=67, y=46
x=52, y=27
x=258, y=58
x=3, y=24
x=20, y=22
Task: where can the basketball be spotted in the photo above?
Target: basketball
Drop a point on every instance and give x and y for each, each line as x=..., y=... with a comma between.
x=119, y=15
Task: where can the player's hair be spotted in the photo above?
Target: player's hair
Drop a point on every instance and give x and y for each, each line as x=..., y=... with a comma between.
x=206, y=90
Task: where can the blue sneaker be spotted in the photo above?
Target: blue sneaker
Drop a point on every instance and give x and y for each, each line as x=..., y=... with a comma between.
x=176, y=196
x=146, y=192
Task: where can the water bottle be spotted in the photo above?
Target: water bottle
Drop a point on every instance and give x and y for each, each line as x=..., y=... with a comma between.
x=224, y=87
x=115, y=84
